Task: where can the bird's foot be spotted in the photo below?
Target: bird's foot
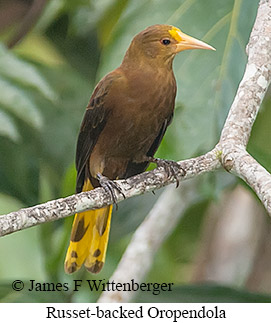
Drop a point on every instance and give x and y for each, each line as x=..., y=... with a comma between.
x=110, y=187
x=171, y=167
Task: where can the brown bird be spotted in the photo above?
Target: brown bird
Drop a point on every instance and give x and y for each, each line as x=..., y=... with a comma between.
x=124, y=123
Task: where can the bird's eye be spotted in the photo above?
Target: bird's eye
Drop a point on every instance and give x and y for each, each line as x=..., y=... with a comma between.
x=165, y=41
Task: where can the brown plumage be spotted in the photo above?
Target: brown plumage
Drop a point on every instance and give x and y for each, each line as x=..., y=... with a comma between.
x=125, y=121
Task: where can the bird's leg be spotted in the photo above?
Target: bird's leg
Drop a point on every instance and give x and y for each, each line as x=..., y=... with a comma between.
x=110, y=187
x=171, y=167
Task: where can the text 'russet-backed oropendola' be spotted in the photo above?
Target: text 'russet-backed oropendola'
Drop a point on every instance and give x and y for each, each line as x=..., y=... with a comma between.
x=124, y=123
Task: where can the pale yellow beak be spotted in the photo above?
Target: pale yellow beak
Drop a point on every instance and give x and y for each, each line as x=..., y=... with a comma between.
x=187, y=42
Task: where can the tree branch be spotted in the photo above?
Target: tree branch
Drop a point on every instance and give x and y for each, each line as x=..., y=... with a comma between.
x=139, y=184
x=255, y=175
x=243, y=112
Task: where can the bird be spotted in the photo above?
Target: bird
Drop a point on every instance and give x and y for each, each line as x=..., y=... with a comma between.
x=123, y=125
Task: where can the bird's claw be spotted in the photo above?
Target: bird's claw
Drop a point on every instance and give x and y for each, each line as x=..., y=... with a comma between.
x=171, y=168
x=110, y=187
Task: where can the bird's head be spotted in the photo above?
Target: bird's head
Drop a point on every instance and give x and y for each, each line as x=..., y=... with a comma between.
x=162, y=43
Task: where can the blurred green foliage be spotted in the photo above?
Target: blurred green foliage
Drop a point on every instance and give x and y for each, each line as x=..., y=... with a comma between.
x=45, y=84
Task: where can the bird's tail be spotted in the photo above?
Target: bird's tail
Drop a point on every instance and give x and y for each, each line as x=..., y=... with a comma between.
x=89, y=238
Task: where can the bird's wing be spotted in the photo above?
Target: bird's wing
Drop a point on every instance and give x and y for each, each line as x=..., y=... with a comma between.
x=92, y=125
x=136, y=168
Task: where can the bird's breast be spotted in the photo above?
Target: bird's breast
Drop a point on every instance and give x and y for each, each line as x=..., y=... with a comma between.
x=139, y=113
x=140, y=107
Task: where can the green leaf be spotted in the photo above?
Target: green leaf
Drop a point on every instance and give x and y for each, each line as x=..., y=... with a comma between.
x=69, y=181
x=260, y=141
x=9, y=204
x=23, y=258
x=18, y=102
x=204, y=294
x=46, y=192
x=50, y=14
x=24, y=73
x=8, y=295
x=7, y=127
x=109, y=19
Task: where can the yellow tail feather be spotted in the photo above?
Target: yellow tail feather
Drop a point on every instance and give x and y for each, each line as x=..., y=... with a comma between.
x=89, y=238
